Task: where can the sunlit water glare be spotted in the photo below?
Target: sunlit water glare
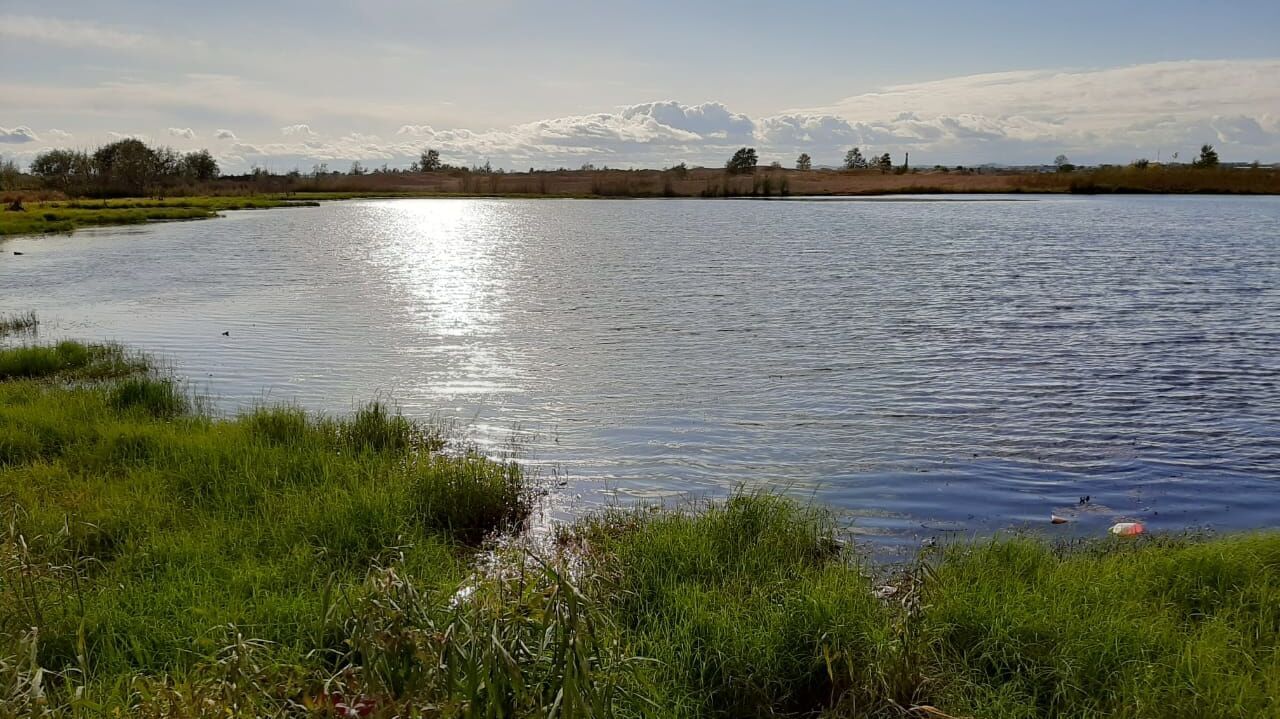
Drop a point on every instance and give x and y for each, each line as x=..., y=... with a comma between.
x=926, y=367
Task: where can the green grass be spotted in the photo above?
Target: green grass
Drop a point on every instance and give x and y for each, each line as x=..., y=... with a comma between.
x=69, y=360
x=156, y=561
x=1167, y=628
x=65, y=216
x=748, y=608
x=137, y=532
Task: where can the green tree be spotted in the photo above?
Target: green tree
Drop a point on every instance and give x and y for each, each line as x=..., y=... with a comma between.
x=55, y=168
x=429, y=160
x=744, y=160
x=126, y=166
x=200, y=165
x=9, y=174
x=1208, y=157
x=804, y=162
x=853, y=160
x=1063, y=164
x=884, y=162
x=167, y=164
x=64, y=170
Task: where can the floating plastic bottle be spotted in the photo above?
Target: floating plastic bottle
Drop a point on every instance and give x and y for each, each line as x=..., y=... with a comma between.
x=1127, y=529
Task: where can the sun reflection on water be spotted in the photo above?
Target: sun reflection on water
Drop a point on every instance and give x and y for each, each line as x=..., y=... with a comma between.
x=452, y=271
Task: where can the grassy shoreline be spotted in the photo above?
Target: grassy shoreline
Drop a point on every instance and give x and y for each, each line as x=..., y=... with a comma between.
x=157, y=561
x=42, y=215
x=68, y=215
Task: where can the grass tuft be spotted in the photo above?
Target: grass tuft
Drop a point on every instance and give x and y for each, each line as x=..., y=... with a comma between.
x=68, y=360
x=468, y=496
x=748, y=608
x=375, y=429
x=160, y=398
x=18, y=323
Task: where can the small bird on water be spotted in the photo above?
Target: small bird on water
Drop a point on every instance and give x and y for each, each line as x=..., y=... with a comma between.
x=227, y=333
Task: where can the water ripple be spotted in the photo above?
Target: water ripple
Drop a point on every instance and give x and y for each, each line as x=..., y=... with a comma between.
x=967, y=366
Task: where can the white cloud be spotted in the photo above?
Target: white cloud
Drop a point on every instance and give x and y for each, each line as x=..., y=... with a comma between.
x=18, y=135
x=710, y=119
x=58, y=135
x=68, y=33
x=81, y=34
x=1110, y=113
x=798, y=129
x=1019, y=117
x=1244, y=130
x=1114, y=114
x=190, y=95
x=183, y=132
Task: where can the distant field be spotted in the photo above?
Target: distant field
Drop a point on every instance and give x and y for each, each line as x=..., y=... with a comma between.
x=43, y=211
x=765, y=181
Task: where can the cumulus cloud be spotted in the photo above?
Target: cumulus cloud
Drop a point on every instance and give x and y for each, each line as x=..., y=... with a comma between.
x=709, y=120
x=1105, y=115
x=18, y=135
x=1108, y=114
x=416, y=130
x=184, y=132
x=799, y=129
x=57, y=135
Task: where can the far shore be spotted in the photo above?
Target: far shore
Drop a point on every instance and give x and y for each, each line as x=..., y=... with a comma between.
x=45, y=211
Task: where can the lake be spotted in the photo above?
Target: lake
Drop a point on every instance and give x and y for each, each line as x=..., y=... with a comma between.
x=927, y=366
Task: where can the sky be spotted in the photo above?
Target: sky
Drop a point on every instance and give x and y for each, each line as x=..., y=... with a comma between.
x=288, y=85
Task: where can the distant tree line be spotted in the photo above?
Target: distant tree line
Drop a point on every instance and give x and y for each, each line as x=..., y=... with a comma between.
x=745, y=160
x=123, y=167
x=131, y=167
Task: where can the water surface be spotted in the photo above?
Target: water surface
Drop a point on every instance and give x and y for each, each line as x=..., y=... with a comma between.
x=927, y=367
